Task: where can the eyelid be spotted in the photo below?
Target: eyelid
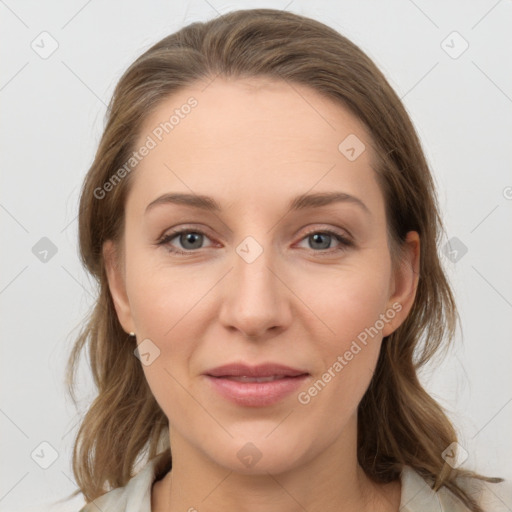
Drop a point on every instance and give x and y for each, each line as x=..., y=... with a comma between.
x=343, y=236
x=343, y=233
x=174, y=232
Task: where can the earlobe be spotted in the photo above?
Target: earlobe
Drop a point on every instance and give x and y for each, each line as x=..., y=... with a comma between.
x=116, y=283
x=404, y=283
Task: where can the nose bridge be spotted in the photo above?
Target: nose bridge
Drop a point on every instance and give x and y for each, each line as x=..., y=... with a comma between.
x=255, y=297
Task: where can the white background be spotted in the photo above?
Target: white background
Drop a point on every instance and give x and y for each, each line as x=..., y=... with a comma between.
x=52, y=117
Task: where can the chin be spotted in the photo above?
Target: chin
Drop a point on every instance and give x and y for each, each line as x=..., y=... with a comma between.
x=258, y=457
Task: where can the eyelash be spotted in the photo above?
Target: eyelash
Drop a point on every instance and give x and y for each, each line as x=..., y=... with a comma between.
x=345, y=242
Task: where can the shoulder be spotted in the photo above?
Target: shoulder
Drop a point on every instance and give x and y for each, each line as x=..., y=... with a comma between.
x=417, y=495
x=491, y=496
x=112, y=501
x=135, y=496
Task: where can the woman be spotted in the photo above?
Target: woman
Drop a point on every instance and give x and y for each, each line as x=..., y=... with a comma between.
x=278, y=374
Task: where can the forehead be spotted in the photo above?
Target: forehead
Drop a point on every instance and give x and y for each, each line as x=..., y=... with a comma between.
x=259, y=109
x=254, y=135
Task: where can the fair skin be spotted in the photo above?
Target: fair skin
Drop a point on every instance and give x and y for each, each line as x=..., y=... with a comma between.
x=253, y=146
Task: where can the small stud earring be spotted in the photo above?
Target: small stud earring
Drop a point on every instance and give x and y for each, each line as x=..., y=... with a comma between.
x=131, y=334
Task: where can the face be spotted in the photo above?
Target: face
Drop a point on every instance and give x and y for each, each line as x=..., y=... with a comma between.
x=262, y=279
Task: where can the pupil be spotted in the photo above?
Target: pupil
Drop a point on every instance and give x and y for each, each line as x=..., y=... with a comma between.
x=189, y=237
x=318, y=238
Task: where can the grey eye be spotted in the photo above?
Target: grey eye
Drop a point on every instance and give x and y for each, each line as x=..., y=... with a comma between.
x=320, y=240
x=194, y=239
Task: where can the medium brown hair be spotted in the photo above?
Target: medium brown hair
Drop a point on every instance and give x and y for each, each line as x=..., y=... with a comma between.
x=399, y=423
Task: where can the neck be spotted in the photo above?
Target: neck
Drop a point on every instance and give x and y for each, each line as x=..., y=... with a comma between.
x=331, y=481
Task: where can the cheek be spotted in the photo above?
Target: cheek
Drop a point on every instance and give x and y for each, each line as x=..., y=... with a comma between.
x=352, y=314
x=169, y=308
x=161, y=298
x=347, y=303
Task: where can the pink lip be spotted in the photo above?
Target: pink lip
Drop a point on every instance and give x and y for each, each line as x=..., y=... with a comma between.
x=261, y=370
x=255, y=394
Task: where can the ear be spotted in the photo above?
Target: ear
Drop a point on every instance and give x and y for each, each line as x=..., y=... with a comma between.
x=116, y=283
x=404, y=283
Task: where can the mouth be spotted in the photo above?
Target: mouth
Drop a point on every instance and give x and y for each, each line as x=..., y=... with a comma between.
x=271, y=370
x=245, y=378
x=255, y=386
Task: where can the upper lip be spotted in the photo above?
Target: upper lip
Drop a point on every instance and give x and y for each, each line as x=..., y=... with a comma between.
x=261, y=370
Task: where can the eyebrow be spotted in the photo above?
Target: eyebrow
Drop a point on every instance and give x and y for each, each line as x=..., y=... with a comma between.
x=301, y=202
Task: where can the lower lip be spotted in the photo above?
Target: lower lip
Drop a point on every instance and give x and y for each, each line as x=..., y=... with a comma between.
x=256, y=394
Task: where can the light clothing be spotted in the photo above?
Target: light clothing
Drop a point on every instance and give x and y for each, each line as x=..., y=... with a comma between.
x=416, y=495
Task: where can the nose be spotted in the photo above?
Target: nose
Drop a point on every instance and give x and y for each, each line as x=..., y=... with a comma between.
x=255, y=298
